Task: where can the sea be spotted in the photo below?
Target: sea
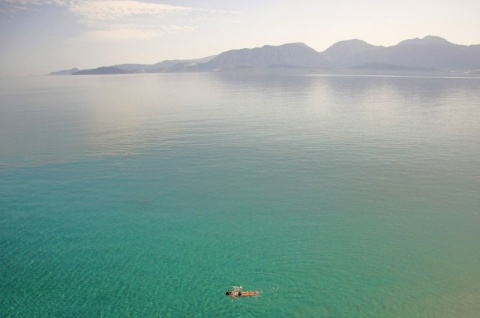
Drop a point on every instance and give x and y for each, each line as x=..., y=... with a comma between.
x=151, y=195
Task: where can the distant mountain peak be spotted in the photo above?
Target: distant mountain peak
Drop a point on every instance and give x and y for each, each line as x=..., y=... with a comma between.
x=286, y=45
x=296, y=44
x=428, y=40
x=341, y=53
x=354, y=45
x=290, y=54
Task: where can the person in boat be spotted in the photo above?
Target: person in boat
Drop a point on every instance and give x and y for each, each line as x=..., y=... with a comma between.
x=238, y=292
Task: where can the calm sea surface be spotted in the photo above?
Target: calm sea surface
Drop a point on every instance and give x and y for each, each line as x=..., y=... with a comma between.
x=151, y=195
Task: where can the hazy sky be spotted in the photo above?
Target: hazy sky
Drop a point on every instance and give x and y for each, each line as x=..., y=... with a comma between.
x=37, y=37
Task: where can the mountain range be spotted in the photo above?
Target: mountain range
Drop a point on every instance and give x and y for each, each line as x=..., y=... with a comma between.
x=431, y=54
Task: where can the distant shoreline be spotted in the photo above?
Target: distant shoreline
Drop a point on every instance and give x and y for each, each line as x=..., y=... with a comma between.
x=430, y=55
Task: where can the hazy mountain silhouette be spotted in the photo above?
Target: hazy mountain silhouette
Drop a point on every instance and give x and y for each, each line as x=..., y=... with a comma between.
x=161, y=66
x=66, y=72
x=428, y=40
x=344, y=53
x=430, y=54
x=288, y=55
x=103, y=71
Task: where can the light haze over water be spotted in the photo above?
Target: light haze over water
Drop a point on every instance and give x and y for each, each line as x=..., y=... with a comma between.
x=151, y=195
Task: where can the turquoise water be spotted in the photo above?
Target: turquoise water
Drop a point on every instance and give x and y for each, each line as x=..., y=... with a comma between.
x=151, y=195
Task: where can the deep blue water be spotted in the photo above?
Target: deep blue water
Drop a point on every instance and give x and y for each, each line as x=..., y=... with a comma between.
x=151, y=195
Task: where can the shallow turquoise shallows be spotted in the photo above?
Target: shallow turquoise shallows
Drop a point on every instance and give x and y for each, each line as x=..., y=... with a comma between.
x=151, y=195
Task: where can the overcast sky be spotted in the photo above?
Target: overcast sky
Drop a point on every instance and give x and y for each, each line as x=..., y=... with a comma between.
x=37, y=37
